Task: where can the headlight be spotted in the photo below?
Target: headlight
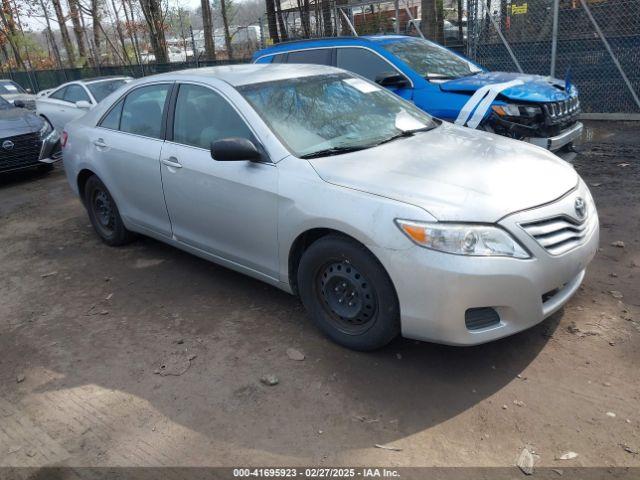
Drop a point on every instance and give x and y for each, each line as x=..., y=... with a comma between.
x=513, y=110
x=45, y=130
x=463, y=239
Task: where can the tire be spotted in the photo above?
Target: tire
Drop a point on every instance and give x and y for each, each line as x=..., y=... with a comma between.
x=104, y=215
x=348, y=294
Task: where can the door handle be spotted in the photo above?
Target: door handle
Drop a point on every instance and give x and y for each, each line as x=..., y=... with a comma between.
x=99, y=143
x=171, y=162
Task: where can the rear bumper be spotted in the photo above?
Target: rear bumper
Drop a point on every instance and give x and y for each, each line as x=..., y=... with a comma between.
x=565, y=137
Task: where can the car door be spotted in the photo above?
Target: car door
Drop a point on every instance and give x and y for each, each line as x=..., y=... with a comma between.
x=371, y=65
x=52, y=106
x=126, y=145
x=227, y=209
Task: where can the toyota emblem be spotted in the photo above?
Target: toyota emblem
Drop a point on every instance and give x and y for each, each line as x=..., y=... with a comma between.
x=580, y=207
x=7, y=145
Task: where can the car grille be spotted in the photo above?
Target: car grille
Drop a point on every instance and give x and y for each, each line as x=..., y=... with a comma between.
x=561, y=112
x=25, y=151
x=560, y=233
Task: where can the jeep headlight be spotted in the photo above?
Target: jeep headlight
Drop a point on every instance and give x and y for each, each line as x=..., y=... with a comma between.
x=513, y=110
x=463, y=239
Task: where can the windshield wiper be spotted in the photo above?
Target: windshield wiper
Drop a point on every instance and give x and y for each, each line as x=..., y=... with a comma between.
x=326, y=152
x=442, y=76
x=401, y=134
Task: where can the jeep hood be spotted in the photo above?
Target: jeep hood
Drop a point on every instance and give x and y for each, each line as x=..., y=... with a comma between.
x=535, y=88
x=454, y=173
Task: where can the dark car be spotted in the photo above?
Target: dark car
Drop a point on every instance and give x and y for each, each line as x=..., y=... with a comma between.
x=26, y=140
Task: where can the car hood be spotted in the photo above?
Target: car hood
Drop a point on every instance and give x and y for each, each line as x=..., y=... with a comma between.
x=535, y=88
x=454, y=173
x=18, y=121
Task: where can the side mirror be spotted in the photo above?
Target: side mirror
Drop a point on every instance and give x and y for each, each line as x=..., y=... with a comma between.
x=235, y=150
x=28, y=90
x=83, y=104
x=19, y=104
x=392, y=80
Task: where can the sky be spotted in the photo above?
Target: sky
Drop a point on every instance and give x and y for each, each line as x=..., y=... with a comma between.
x=38, y=23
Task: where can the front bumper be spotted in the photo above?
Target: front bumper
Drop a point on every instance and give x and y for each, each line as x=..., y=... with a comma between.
x=31, y=153
x=570, y=134
x=435, y=289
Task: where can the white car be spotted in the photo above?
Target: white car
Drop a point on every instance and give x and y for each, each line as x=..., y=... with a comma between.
x=72, y=100
x=11, y=91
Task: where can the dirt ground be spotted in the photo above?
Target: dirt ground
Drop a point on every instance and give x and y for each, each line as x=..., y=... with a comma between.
x=147, y=356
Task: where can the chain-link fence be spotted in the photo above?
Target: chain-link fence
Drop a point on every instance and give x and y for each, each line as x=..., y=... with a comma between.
x=596, y=43
x=298, y=19
x=36, y=80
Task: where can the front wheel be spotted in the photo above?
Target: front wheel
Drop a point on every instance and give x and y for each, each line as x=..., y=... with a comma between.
x=348, y=294
x=104, y=214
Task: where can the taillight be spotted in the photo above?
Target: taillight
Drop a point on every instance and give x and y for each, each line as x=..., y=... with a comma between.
x=63, y=139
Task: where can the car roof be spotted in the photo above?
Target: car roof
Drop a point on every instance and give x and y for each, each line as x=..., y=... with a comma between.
x=247, y=74
x=333, y=41
x=102, y=79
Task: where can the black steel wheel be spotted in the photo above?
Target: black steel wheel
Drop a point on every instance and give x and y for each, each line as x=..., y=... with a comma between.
x=348, y=294
x=348, y=297
x=104, y=214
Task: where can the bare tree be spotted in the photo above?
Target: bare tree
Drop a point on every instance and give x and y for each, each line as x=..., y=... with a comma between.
x=64, y=33
x=271, y=20
x=52, y=40
x=74, y=12
x=224, y=12
x=119, y=32
x=152, y=12
x=325, y=5
x=207, y=26
x=432, y=19
x=10, y=31
x=95, y=19
x=284, y=35
x=132, y=28
x=303, y=10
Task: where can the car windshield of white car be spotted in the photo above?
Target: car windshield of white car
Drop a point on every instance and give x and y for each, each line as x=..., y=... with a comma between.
x=7, y=87
x=332, y=114
x=101, y=90
x=430, y=60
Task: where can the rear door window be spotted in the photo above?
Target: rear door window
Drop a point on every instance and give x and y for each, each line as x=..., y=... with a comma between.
x=363, y=62
x=280, y=58
x=59, y=94
x=143, y=109
x=112, y=119
x=320, y=56
x=75, y=93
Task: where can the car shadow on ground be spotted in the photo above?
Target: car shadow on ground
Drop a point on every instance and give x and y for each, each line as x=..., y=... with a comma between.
x=240, y=329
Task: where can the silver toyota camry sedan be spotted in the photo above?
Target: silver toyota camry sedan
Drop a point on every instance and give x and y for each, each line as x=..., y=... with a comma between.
x=383, y=220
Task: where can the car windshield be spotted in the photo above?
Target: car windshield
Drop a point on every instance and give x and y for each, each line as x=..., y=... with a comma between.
x=331, y=114
x=101, y=90
x=431, y=60
x=9, y=87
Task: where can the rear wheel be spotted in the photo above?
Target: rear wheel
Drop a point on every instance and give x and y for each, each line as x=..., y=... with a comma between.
x=104, y=214
x=348, y=294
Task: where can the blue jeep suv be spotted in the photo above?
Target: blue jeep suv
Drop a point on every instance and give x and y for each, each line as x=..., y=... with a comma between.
x=541, y=110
